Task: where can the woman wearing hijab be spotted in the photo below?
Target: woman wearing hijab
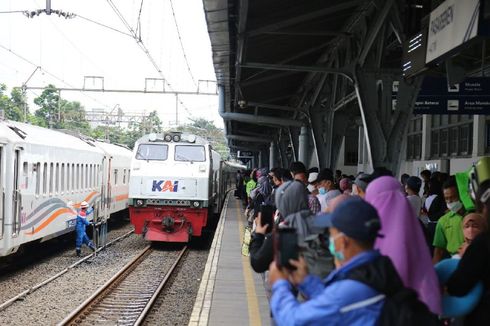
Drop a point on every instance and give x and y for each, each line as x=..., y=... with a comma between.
x=291, y=199
x=404, y=240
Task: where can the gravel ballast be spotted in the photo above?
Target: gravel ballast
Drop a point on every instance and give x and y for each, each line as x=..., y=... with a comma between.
x=17, y=279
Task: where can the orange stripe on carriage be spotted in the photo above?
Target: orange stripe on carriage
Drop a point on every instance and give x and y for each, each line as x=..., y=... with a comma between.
x=122, y=197
x=50, y=219
x=87, y=199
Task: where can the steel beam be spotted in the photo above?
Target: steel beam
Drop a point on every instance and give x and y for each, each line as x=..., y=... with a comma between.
x=322, y=69
x=87, y=90
x=305, y=17
x=273, y=107
x=249, y=138
x=309, y=33
x=261, y=120
x=373, y=33
x=344, y=101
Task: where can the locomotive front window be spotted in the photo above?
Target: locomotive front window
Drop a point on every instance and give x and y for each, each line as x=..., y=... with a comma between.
x=153, y=152
x=190, y=153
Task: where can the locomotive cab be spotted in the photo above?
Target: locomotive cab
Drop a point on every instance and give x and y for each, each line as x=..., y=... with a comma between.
x=171, y=189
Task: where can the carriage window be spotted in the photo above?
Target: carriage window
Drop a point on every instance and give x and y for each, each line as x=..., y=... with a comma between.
x=51, y=177
x=91, y=176
x=62, y=188
x=56, y=185
x=156, y=152
x=24, y=170
x=86, y=177
x=72, y=176
x=38, y=178
x=45, y=178
x=77, y=186
x=124, y=177
x=115, y=176
x=190, y=153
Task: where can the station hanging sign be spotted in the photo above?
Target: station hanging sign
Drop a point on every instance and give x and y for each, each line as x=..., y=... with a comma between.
x=472, y=96
x=452, y=23
x=245, y=154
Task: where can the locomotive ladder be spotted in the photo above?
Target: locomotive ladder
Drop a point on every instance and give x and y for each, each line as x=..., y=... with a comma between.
x=123, y=301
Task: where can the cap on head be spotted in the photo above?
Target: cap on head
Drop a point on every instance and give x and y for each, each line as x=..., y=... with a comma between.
x=355, y=218
x=83, y=204
x=312, y=177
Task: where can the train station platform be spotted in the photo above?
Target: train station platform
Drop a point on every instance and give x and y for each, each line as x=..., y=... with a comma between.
x=231, y=293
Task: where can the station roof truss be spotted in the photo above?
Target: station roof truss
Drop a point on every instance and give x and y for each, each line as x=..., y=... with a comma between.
x=279, y=61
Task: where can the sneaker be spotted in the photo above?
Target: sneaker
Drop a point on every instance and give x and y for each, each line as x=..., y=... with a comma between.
x=79, y=253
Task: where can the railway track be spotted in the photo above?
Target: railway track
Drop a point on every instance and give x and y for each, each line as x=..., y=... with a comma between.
x=129, y=295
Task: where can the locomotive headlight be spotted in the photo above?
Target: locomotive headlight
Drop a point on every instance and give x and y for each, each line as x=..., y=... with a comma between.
x=139, y=202
x=167, y=138
x=176, y=138
x=195, y=204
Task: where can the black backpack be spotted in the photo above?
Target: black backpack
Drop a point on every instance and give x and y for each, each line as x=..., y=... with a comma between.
x=403, y=308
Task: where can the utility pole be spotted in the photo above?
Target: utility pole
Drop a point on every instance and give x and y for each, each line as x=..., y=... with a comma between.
x=176, y=109
x=24, y=92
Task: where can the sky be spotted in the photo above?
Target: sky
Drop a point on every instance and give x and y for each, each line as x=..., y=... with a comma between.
x=68, y=50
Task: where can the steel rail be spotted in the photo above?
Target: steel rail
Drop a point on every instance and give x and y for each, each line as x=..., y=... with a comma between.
x=30, y=290
x=77, y=316
x=155, y=295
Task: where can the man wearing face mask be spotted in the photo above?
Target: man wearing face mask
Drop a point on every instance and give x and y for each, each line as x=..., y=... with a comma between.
x=449, y=236
x=340, y=299
x=326, y=188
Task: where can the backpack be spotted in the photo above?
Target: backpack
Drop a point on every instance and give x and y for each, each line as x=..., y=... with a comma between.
x=318, y=258
x=403, y=308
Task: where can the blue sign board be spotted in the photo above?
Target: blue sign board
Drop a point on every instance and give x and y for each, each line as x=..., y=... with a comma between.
x=472, y=96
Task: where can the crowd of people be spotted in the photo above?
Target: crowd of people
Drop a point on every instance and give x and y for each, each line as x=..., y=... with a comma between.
x=367, y=244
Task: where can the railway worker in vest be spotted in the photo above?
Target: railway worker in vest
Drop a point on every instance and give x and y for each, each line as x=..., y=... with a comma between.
x=82, y=222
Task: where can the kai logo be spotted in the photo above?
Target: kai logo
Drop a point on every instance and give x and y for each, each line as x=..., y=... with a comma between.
x=165, y=185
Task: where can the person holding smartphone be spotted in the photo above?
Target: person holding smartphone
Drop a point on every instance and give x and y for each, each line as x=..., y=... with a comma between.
x=337, y=300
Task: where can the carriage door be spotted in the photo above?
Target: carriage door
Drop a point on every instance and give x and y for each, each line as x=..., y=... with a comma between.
x=2, y=194
x=17, y=199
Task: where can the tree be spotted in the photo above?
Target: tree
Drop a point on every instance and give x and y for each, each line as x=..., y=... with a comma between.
x=207, y=130
x=13, y=106
x=73, y=117
x=49, y=102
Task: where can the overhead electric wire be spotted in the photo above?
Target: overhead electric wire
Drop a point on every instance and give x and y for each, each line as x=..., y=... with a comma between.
x=140, y=43
x=181, y=43
x=50, y=74
x=103, y=25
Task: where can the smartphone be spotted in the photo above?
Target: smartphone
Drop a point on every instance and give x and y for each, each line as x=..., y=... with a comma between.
x=267, y=216
x=286, y=247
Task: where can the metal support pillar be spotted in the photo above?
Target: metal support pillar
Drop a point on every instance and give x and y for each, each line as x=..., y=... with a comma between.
x=294, y=140
x=272, y=155
x=385, y=118
x=303, y=146
x=340, y=123
x=319, y=135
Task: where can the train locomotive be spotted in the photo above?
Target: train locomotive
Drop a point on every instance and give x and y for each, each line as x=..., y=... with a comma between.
x=178, y=182
x=46, y=174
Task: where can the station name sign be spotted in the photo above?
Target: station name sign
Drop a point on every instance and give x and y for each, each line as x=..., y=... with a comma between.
x=472, y=96
x=245, y=154
x=452, y=23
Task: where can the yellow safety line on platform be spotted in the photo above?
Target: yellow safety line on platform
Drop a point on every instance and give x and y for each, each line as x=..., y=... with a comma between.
x=252, y=302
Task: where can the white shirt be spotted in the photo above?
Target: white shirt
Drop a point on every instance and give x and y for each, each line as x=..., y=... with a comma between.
x=416, y=204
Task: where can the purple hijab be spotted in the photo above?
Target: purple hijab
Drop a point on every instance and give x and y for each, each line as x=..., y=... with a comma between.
x=404, y=241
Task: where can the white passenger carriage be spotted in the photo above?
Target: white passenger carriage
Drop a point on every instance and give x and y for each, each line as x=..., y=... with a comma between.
x=177, y=182
x=46, y=174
